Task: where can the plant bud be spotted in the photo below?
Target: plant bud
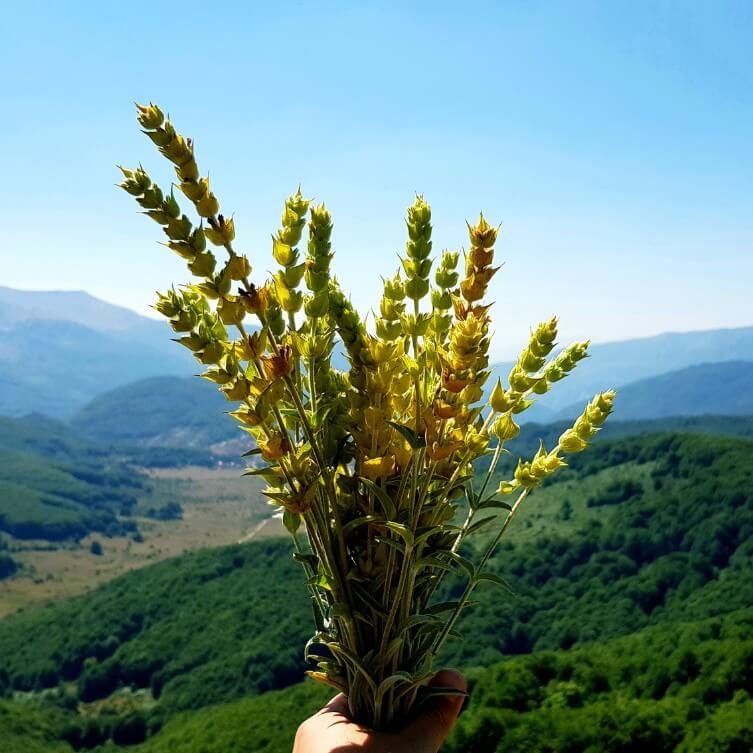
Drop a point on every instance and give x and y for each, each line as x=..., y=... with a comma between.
x=230, y=312
x=277, y=446
x=388, y=330
x=283, y=253
x=420, y=212
x=203, y=265
x=525, y=475
x=152, y=198
x=416, y=288
x=237, y=390
x=255, y=300
x=149, y=116
x=170, y=206
x=482, y=234
x=188, y=171
x=193, y=189
x=159, y=216
x=541, y=386
x=376, y=468
x=480, y=257
x=212, y=353
x=167, y=305
x=254, y=345
x=291, y=276
x=198, y=240
x=178, y=229
x=178, y=150
x=394, y=289
x=505, y=428
x=472, y=393
x=278, y=365
x=446, y=279
x=519, y=380
x=207, y=205
x=290, y=300
x=521, y=405
x=220, y=232
x=571, y=442
x=183, y=249
x=441, y=299
x=238, y=268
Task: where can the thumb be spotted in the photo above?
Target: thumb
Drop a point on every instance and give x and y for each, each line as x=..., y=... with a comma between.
x=434, y=722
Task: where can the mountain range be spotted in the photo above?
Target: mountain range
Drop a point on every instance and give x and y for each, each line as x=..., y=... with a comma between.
x=72, y=356
x=60, y=349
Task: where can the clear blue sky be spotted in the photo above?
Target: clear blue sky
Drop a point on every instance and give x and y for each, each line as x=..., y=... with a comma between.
x=614, y=141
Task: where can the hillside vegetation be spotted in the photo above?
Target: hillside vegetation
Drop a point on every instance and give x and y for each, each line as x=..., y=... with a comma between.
x=44, y=500
x=160, y=411
x=643, y=531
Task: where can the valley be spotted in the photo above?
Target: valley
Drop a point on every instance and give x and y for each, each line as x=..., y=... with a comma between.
x=149, y=601
x=219, y=507
x=632, y=576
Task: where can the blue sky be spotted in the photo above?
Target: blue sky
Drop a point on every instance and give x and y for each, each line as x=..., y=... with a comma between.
x=612, y=140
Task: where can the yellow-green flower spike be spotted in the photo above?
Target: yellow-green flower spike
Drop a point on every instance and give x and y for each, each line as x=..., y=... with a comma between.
x=566, y=361
x=478, y=266
x=417, y=264
x=588, y=423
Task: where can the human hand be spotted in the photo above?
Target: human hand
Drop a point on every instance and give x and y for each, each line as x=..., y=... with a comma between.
x=331, y=730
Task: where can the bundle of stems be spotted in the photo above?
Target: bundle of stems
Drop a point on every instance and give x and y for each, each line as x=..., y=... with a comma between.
x=372, y=468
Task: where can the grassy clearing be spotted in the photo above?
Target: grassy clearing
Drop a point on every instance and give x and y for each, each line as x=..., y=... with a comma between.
x=219, y=507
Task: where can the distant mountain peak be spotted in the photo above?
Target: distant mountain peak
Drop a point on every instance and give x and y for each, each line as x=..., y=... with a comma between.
x=77, y=306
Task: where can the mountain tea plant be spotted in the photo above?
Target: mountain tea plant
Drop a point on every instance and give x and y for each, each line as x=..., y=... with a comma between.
x=372, y=468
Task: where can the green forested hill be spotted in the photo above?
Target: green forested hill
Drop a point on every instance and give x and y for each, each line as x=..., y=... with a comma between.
x=56, y=441
x=682, y=688
x=160, y=411
x=640, y=532
x=40, y=499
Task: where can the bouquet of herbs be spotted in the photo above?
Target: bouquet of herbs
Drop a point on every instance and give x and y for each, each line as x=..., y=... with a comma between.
x=372, y=468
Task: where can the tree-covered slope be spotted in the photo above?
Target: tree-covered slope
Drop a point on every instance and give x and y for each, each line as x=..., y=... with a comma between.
x=160, y=411
x=40, y=499
x=57, y=441
x=673, y=688
x=659, y=530
x=203, y=627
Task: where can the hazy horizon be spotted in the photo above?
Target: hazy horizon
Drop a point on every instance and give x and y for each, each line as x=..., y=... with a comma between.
x=503, y=351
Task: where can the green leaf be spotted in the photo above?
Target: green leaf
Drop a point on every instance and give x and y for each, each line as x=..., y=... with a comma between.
x=419, y=619
x=320, y=580
x=388, y=505
x=479, y=524
x=414, y=440
x=426, y=532
x=307, y=558
x=433, y=562
x=255, y=451
x=496, y=579
x=338, y=610
x=403, y=531
x=442, y=606
x=467, y=565
x=491, y=502
x=291, y=521
x=351, y=525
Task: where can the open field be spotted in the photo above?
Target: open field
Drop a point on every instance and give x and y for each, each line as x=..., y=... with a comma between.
x=219, y=507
